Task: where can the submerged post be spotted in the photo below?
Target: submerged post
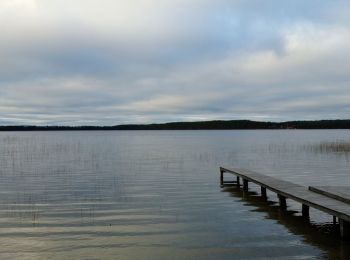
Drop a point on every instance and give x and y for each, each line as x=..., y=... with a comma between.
x=344, y=229
x=221, y=177
x=245, y=185
x=305, y=211
x=282, y=200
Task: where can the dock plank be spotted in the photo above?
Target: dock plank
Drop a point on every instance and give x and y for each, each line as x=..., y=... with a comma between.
x=340, y=193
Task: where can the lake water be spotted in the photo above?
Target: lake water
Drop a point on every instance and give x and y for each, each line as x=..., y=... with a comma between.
x=156, y=195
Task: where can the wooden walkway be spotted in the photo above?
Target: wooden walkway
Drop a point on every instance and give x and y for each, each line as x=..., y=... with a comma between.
x=302, y=194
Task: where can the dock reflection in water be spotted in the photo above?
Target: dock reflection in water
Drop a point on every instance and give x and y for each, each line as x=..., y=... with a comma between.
x=324, y=236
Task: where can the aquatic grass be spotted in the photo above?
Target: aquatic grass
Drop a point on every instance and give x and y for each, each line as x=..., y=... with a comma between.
x=338, y=146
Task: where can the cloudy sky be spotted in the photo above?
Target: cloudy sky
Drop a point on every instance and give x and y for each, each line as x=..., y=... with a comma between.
x=106, y=62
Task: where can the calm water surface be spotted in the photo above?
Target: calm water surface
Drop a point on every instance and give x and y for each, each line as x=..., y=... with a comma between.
x=156, y=195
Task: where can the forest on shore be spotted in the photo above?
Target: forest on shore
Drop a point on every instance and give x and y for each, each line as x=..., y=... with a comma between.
x=201, y=125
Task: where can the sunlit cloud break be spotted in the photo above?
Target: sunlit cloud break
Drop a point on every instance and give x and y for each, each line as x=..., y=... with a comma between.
x=114, y=62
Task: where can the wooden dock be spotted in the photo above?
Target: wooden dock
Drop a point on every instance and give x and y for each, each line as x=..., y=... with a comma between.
x=285, y=189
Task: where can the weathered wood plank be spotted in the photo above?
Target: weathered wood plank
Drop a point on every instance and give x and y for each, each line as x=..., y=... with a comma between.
x=296, y=192
x=335, y=192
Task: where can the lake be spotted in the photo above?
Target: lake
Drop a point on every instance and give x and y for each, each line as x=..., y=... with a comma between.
x=157, y=195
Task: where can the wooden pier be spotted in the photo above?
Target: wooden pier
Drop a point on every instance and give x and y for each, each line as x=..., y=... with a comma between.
x=285, y=189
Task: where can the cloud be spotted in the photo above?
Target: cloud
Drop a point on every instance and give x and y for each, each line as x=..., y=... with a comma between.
x=111, y=62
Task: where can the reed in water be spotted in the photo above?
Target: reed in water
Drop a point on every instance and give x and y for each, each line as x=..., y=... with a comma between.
x=338, y=146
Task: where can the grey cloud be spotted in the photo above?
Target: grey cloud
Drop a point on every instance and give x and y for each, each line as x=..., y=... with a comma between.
x=110, y=62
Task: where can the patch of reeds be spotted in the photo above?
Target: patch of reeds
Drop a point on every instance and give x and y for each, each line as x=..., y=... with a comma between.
x=327, y=147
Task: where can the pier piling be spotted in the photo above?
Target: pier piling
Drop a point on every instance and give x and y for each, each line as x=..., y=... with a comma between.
x=282, y=201
x=263, y=192
x=305, y=211
x=344, y=229
x=245, y=185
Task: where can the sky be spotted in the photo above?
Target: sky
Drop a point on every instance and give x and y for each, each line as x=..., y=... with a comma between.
x=109, y=62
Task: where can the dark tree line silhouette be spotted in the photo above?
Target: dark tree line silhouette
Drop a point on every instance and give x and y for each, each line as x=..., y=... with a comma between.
x=203, y=125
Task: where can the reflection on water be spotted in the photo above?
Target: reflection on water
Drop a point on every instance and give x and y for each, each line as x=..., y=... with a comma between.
x=109, y=195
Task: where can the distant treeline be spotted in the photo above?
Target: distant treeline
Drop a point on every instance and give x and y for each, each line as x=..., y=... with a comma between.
x=203, y=125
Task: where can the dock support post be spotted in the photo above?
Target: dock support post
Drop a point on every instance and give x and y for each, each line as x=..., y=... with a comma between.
x=263, y=192
x=245, y=185
x=238, y=182
x=305, y=211
x=221, y=177
x=334, y=220
x=283, y=202
x=344, y=229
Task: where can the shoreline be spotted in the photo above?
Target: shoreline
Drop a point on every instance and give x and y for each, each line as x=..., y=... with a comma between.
x=198, y=125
